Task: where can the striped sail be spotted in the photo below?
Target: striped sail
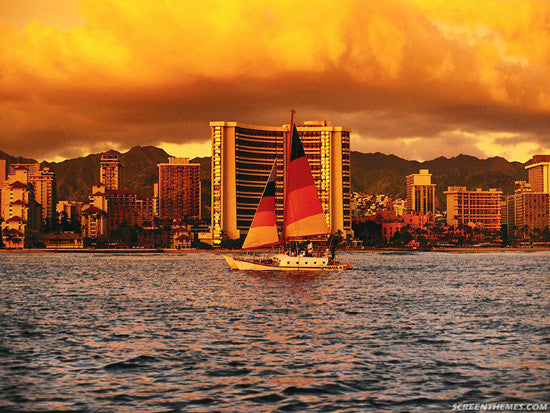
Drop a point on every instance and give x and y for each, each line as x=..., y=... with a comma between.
x=263, y=231
x=304, y=214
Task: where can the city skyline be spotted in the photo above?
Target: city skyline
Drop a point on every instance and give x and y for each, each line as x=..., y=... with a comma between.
x=121, y=217
x=415, y=78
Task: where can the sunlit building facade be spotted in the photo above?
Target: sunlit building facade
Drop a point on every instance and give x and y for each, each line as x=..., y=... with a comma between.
x=400, y=206
x=528, y=211
x=31, y=168
x=94, y=213
x=538, y=168
x=420, y=192
x=45, y=191
x=19, y=212
x=44, y=186
x=2, y=179
x=242, y=157
x=479, y=207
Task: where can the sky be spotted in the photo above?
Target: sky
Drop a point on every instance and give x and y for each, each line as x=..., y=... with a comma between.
x=414, y=78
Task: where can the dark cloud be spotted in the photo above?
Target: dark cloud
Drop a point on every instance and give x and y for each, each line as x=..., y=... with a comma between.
x=390, y=71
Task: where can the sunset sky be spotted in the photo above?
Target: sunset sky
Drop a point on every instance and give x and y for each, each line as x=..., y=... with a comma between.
x=416, y=78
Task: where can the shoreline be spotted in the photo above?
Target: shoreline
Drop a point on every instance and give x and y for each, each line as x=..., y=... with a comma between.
x=224, y=251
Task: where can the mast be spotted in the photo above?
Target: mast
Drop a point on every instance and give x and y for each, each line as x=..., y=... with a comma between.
x=303, y=212
x=287, y=148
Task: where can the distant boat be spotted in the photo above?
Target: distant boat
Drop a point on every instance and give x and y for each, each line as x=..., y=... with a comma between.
x=303, y=220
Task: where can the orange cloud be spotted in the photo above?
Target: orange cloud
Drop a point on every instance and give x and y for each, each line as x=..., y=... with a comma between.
x=107, y=73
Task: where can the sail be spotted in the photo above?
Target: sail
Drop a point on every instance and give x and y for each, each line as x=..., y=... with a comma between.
x=263, y=231
x=304, y=214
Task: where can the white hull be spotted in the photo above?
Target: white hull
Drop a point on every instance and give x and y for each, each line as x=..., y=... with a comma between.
x=244, y=264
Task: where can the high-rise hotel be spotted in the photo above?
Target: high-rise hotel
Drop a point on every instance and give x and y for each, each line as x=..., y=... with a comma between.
x=538, y=168
x=44, y=185
x=179, y=189
x=420, y=192
x=477, y=207
x=529, y=207
x=110, y=171
x=242, y=157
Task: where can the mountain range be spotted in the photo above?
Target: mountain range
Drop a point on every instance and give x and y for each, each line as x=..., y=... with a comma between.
x=373, y=173
x=376, y=173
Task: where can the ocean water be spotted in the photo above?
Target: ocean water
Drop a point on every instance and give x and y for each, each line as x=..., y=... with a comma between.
x=166, y=332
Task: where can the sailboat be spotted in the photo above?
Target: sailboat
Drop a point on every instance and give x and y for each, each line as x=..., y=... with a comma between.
x=303, y=219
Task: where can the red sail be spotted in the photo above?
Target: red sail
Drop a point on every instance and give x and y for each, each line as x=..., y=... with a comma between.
x=263, y=231
x=304, y=214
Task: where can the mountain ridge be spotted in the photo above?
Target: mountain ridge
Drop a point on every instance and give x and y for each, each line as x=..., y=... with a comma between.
x=374, y=173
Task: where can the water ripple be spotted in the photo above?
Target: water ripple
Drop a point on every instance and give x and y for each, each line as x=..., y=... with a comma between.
x=403, y=331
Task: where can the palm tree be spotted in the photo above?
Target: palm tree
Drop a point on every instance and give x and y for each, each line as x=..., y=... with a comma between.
x=8, y=236
x=535, y=234
x=525, y=232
